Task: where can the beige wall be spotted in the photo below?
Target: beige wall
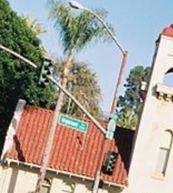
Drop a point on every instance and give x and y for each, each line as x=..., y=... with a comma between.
x=13, y=180
x=23, y=180
x=157, y=116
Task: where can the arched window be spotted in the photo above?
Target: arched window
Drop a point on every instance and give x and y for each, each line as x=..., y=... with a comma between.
x=164, y=151
x=168, y=78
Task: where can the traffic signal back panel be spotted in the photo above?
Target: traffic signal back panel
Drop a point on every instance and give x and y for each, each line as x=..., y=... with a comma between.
x=109, y=162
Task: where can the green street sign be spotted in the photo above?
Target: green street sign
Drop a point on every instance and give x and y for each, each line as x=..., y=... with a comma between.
x=109, y=135
x=73, y=123
x=111, y=127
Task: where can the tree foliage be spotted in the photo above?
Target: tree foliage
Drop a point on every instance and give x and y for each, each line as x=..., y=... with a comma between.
x=17, y=79
x=76, y=32
x=83, y=84
x=130, y=104
x=34, y=25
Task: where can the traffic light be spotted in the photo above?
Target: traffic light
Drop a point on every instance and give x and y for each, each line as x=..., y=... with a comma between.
x=109, y=162
x=45, y=71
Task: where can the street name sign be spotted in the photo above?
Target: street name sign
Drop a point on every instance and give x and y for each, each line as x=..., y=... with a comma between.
x=111, y=127
x=73, y=123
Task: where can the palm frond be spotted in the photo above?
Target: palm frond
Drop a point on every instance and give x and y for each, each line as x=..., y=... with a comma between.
x=77, y=30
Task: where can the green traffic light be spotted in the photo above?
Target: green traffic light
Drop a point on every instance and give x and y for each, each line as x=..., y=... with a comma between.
x=109, y=162
x=45, y=71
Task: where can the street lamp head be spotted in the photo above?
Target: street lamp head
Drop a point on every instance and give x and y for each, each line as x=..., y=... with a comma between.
x=75, y=5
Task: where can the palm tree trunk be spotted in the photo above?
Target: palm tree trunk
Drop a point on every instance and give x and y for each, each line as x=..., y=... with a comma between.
x=65, y=74
x=51, y=134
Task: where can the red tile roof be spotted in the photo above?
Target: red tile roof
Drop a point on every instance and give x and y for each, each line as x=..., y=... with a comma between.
x=73, y=151
x=168, y=31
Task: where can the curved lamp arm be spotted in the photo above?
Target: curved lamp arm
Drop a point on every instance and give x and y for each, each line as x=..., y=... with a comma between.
x=76, y=5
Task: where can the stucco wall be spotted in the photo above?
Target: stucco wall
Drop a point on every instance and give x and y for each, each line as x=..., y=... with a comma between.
x=156, y=118
x=23, y=180
x=13, y=180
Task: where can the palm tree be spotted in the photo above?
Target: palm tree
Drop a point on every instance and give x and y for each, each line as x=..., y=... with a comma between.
x=37, y=28
x=127, y=119
x=83, y=84
x=76, y=32
x=34, y=25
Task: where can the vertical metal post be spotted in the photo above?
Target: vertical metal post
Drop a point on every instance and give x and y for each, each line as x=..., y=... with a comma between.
x=96, y=183
x=113, y=108
x=118, y=84
x=76, y=5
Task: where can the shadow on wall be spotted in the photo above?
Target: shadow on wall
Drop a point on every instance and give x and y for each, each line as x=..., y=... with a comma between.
x=124, y=142
x=4, y=124
x=20, y=154
x=13, y=181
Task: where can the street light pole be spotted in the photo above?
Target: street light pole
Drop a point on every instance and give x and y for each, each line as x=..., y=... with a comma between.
x=76, y=5
x=118, y=83
x=113, y=117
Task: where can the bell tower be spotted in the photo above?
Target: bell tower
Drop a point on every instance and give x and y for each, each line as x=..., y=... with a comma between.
x=151, y=169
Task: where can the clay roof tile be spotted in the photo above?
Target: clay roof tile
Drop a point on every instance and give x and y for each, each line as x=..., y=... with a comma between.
x=168, y=31
x=72, y=151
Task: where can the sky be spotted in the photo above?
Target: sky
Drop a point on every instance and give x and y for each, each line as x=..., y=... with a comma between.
x=137, y=25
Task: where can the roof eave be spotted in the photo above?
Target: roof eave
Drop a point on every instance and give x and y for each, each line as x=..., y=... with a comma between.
x=31, y=165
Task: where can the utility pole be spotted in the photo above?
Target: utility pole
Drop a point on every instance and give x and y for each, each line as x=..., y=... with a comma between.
x=113, y=117
x=96, y=182
x=118, y=83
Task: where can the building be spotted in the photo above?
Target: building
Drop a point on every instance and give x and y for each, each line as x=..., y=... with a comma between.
x=75, y=158
x=152, y=160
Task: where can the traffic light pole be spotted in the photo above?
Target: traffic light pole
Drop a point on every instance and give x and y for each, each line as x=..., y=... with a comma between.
x=97, y=124
x=54, y=120
x=96, y=182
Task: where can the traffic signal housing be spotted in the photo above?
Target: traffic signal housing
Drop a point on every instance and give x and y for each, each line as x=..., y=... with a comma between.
x=46, y=68
x=109, y=162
